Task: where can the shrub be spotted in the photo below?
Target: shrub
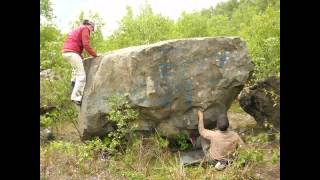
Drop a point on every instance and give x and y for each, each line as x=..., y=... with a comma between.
x=182, y=141
x=248, y=156
x=123, y=116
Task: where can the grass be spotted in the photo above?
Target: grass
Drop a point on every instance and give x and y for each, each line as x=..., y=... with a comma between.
x=150, y=158
x=236, y=108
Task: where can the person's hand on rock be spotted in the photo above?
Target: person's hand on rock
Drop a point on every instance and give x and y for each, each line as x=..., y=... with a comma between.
x=200, y=114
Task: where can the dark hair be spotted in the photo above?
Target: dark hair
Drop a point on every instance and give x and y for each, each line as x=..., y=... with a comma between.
x=86, y=22
x=222, y=122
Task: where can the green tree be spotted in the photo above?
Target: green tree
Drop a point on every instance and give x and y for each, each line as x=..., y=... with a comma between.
x=243, y=15
x=145, y=28
x=220, y=25
x=191, y=25
x=46, y=9
x=55, y=91
x=226, y=8
x=51, y=41
x=263, y=39
x=264, y=4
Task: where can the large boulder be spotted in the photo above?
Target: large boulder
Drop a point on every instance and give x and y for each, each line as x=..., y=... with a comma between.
x=166, y=82
x=262, y=101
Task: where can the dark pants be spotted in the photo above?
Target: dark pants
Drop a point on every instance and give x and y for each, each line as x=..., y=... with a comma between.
x=72, y=84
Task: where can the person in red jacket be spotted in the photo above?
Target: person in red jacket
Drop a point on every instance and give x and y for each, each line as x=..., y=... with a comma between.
x=76, y=41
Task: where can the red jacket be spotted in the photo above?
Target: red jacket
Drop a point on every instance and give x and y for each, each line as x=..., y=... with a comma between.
x=77, y=40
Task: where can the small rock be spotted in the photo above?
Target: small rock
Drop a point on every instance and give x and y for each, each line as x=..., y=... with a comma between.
x=46, y=135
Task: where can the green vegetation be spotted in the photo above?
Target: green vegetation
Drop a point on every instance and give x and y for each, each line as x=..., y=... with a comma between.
x=123, y=116
x=235, y=107
x=118, y=157
x=182, y=141
x=146, y=158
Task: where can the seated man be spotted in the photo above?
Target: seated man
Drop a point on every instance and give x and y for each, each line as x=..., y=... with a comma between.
x=223, y=142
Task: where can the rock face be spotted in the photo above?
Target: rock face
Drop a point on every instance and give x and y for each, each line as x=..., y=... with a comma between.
x=166, y=82
x=260, y=103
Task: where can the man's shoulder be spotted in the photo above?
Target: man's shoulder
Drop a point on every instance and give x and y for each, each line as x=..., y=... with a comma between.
x=235, y=132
